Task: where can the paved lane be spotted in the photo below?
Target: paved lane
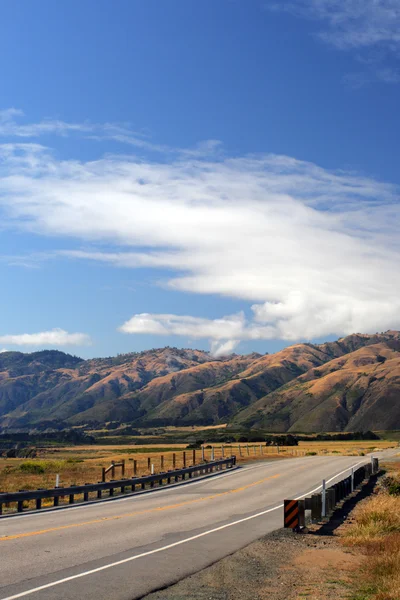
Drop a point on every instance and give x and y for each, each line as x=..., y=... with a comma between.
x=128, y=547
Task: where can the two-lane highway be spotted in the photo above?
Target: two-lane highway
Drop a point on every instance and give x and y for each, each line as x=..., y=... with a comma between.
x=129, y=547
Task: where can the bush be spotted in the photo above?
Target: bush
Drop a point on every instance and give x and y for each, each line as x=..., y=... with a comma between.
x=32, y=467
x=391, y=485
x=311, y=453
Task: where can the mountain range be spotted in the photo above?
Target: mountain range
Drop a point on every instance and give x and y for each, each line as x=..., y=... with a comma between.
x=347, y=385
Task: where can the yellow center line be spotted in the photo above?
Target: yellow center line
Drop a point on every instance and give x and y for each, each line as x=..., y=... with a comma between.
x=17, y=536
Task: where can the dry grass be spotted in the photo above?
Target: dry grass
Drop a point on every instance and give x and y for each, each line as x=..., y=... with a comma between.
x=382, y=567
x=374, y=520
x=376, y=531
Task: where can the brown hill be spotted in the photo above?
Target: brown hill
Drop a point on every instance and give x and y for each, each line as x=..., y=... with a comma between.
x=305, y=387
x=357, y=392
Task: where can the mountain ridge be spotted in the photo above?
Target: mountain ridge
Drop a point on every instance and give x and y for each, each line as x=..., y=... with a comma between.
x=290, y=389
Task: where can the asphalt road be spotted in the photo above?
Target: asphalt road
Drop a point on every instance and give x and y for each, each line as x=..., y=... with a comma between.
x=124, y=549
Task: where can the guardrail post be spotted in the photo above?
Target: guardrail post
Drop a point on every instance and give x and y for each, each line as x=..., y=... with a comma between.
x=323, y=512
x=316, y=507
x=332, y=499
x=55, y=501
x=38, y=503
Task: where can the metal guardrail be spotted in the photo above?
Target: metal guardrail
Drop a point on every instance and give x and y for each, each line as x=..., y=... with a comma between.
x=324, y=503
x=125, y=485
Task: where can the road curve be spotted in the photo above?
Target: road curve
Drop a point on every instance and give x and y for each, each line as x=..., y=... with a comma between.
x=127, y=548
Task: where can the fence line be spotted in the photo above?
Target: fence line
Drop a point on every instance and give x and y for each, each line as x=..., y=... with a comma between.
x=125, y=485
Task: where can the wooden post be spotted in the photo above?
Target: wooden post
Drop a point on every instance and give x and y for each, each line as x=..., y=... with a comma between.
x=184, y=459
x=222, y=452
x=162, y=463
x=113, y=469
x=248, y=450
x=212, y=453
x=148, y=463
x=202, y=454
x=260, y=449
x=123, y=467
x=240, y=450
x=103, y=474
x=174, y=460
x=134, y=467
x=254, y=448
x=194, y=456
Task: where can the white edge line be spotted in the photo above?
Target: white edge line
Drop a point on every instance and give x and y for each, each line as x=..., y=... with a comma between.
x=157, y=550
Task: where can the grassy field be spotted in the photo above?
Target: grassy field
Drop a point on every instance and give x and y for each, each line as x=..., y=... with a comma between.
x=376, y=532
x=83, y=464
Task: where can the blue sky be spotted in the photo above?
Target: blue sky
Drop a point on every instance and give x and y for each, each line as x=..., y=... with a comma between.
x=220, y=175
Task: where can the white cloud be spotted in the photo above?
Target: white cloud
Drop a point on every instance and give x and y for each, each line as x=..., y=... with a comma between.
x=351, y=23
x=3, y=350
x=371, y=26
x=11, y=126
x=313, y=251
x=219, y=349
x=53, y=338
x=196, y=327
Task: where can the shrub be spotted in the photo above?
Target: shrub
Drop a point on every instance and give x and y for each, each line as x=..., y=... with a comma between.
x=391, y=485
x=311, y=453
x=31, y=467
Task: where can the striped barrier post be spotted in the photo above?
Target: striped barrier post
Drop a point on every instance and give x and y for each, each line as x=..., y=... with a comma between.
x=294, y=514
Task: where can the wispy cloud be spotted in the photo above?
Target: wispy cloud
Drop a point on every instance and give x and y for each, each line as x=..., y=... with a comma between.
x=313, y=251
x=368, y=26
x=11, y=126
x=54, y=338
